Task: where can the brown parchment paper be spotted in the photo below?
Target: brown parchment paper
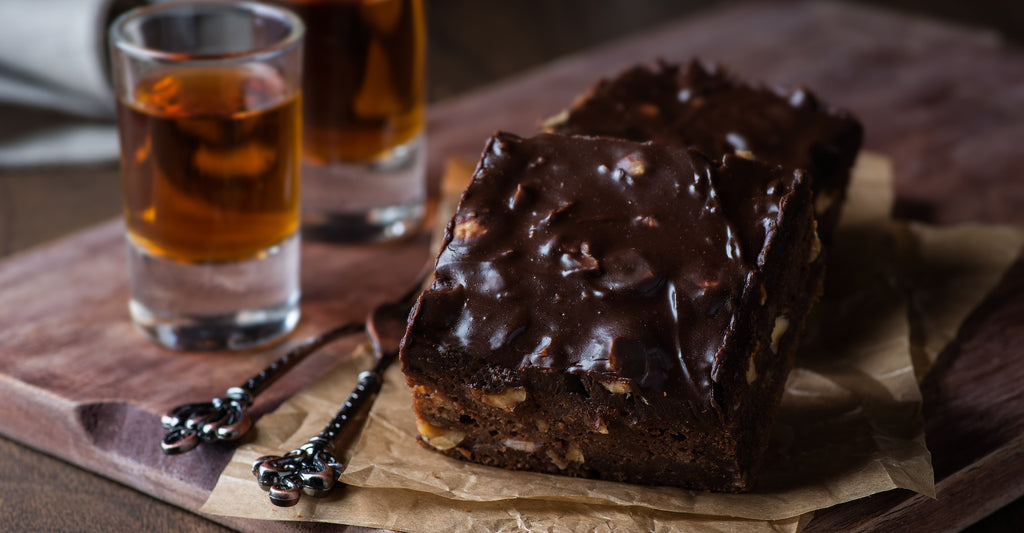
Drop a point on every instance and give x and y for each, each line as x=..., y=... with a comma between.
x=952, y=269
x=849, y=426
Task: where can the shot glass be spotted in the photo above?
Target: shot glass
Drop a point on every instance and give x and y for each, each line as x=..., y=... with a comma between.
x=210, y=128
x=364, y=162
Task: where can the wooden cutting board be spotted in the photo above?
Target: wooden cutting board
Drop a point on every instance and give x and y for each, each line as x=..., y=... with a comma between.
x=946, y=104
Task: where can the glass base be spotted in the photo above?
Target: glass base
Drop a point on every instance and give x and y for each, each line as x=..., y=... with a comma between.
x=370, y=201
x=215, y=306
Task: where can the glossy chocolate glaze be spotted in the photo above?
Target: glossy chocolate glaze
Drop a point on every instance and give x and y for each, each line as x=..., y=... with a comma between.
x=715, y=113
x=597, y=255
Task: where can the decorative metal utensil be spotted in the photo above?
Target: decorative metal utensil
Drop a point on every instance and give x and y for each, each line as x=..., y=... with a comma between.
x=227, y=417
x=312, y=468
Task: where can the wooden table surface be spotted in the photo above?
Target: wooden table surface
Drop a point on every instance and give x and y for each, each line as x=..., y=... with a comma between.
x=945, y=102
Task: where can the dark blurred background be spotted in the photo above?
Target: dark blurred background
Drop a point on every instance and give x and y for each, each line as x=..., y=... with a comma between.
x=474, y=42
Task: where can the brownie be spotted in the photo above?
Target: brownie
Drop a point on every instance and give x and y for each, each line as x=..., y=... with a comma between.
x=614, y=309
x=711, y=110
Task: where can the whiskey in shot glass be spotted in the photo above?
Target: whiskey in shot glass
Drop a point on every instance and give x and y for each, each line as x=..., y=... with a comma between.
x=364, y=160
x=209, y=116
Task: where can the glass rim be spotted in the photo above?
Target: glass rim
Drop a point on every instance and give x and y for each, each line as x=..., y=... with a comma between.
x=120, y=40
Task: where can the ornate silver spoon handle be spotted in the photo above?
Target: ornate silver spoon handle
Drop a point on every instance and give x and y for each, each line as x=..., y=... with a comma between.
x=227, y=417
x=312, y=468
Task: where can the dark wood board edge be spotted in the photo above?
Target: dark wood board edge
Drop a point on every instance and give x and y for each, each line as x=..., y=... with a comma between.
x=959, y=503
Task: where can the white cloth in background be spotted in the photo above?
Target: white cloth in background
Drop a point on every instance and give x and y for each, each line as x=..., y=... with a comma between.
x=56, y=102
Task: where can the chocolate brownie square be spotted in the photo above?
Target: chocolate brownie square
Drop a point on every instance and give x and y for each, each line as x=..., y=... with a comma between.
x=614, y=309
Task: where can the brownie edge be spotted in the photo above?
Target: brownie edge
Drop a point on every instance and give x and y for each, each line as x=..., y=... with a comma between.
x=614, y=309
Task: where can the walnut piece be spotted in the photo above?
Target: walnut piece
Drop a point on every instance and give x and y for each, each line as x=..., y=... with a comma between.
x=441, y=439
x=633, y=164
x=507, y=400
x=815, y=244
x=469, y=228
x=572, y=455
x=617, y=387
x=781, y=325
x=521, y=445
x=554, y=121
x=751, y=371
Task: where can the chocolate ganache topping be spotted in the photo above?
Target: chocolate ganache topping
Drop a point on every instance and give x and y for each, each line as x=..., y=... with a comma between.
x=577, y=254
x=707, y=109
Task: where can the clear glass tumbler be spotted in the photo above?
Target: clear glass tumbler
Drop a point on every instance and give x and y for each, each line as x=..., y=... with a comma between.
x=210, y=126
x=364, y=154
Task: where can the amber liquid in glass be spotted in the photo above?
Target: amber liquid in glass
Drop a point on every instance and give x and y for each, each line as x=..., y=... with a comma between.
x=211, y=163
x=362, y=77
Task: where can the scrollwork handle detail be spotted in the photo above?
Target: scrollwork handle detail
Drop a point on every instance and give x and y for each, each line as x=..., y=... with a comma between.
x=311, y=469
x=223, y=418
